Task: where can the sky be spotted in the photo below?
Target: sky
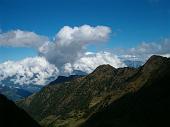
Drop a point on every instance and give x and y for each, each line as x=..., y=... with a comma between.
x=72, y=34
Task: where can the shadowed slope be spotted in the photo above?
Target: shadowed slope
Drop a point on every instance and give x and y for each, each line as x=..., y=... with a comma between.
x=148, y=107
x=12, y=116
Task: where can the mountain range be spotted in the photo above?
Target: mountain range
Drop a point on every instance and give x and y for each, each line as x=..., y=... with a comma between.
x=131, y=97
x=17, y=92
x=14, y=93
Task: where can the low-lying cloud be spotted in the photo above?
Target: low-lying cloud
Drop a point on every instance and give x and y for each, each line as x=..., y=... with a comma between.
x=146, y=49
x=35, y=70
x=90, y=61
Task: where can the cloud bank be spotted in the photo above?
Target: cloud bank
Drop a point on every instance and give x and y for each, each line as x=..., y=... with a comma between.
x=146, y=49
x=35, y=70
x=90, y=61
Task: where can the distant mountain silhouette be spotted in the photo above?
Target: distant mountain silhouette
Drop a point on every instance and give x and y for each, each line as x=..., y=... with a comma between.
x=12, y=116
x=14, y=93
x=108, y=97
x=17, y=92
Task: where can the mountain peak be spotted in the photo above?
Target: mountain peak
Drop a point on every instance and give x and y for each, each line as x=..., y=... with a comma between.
x=155, y=60
x=104, y=67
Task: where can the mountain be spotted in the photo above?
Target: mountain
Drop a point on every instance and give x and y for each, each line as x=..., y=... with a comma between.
x=14, y=93
x=61, y=79
x=146, y=107
x=17, y=92
x=72, y=100
x=12, y=116
x=31, y=88
x=9, y=82
x=106, y=97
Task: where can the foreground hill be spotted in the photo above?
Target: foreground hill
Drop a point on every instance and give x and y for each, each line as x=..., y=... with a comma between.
x=12, y=116
x=106, y=97
x=147, y=107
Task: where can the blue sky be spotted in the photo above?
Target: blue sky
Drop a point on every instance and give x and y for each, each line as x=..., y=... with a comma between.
x=131, y=21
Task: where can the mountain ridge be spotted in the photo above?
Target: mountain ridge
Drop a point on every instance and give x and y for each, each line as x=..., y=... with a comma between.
x=149, y=106
x=72, y=103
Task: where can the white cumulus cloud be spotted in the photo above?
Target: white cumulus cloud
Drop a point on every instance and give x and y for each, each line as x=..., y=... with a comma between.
x=69, y=44
x=28, y=71
x=67, y=52
x=82, y=34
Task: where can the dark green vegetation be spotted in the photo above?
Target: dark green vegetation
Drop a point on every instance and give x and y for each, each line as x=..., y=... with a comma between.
x=147, y=107
x=12, y=116
x=61, y=79
x=107, y=97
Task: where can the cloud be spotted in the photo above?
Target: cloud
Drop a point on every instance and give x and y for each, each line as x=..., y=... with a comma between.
x=69, y=43
x=19, y=38
x=146, y=49
x=90, y=61
x=166, y=55
x=28, y=71
x=67, y=52
x=82, y=34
